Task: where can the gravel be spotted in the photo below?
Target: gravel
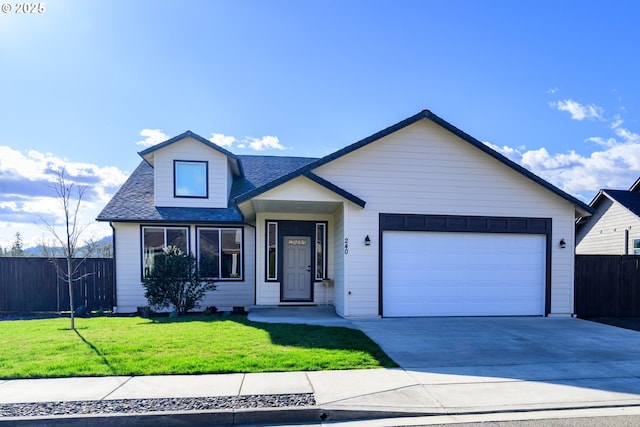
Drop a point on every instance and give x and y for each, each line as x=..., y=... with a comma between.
x=133, y=406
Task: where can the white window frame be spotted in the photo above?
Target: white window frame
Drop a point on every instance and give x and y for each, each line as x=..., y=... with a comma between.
x=636, y=249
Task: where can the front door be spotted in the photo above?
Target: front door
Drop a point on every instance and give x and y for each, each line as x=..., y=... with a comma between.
x=296, y=284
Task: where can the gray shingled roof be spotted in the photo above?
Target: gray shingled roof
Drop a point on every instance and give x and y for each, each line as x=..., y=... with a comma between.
x=261, y=170
x=628, y=199
x=134, y=201
x=257, y=174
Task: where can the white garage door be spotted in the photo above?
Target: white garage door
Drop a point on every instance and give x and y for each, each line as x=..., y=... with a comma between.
x=462, y=274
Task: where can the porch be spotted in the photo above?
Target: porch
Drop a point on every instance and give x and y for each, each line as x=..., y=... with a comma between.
x=323, y=315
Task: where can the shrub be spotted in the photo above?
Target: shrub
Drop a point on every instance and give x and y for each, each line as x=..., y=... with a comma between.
x=212, y=309
x=174, y=281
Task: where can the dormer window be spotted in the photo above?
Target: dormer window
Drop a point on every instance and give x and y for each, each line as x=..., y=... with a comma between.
x=190, y=179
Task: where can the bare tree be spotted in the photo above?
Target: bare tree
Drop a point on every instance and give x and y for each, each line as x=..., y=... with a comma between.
x=70, y=197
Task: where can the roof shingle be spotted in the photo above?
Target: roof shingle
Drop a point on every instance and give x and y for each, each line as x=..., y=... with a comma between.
x=134, y=201
x=628, y=199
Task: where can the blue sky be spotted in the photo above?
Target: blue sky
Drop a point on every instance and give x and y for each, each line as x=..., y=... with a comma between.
x=88, y=84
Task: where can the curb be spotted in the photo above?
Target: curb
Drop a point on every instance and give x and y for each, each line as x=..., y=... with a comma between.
x=256, y=416
x=201, y=418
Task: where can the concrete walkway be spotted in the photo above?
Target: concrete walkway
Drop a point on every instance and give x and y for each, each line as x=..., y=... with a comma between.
x=534, y=364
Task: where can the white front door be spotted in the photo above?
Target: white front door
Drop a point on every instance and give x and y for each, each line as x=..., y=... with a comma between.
x=296, y=284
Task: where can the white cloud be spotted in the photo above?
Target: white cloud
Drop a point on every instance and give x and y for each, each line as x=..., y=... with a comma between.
x=615, y=165
x=264, y=143
x=27, y=195
x=152, y=137
x=257, y=144
x=222, y=140
x=552, y=90
x=578, y=111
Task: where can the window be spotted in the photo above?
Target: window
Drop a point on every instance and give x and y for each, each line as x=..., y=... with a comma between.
x=321, y=238
x=272, y=250
x=155, y=239
x=636, y=246
x=220, y=253
x=190, y=179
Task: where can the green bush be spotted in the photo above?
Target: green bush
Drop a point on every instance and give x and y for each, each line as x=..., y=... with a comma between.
x=174, y=281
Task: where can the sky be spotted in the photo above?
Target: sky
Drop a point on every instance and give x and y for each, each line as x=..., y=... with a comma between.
x=86, y=85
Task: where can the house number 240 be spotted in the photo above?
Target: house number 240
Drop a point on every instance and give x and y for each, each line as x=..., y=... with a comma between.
x=346, y=245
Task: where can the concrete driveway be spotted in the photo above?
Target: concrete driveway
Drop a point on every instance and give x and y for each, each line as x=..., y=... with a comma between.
x=459, y=365
x=513, y=363
x=419, y=343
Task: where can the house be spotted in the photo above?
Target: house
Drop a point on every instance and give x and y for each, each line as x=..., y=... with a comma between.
x=614, y=228
x=419, y=219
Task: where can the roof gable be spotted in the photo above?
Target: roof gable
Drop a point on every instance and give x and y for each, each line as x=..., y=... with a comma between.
x=581, y=207
x=148, y=153
x=629, y=199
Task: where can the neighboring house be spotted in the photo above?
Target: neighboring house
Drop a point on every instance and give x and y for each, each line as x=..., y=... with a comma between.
x=614, y=228
x=419, y=219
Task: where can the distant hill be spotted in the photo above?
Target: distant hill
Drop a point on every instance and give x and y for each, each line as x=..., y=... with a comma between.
x=103, y=249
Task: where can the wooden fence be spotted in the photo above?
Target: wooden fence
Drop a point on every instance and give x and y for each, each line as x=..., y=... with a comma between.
x=29, y=284
x=607, y=286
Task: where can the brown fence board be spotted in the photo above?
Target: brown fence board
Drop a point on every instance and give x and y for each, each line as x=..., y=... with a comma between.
x=29, y=284
x=607, y=285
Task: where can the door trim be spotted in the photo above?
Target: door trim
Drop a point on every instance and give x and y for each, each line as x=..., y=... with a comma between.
x=290, y=227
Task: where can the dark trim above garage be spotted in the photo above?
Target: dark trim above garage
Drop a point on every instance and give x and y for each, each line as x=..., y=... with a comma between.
x=466, y=224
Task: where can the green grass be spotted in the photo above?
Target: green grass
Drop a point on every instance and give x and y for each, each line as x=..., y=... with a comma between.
x=188, y=345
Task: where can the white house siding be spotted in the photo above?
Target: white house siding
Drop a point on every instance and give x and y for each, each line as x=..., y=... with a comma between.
x=338, y=275
x=130, y=292
x=128, y=255
x=190, y=149
x=604, y=233
x=423, y=169
x=268, y=293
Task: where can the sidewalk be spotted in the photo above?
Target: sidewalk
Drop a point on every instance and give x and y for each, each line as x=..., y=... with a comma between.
x=338, y=395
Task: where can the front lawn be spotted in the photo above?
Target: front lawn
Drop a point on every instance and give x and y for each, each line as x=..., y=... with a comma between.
x=188, y=345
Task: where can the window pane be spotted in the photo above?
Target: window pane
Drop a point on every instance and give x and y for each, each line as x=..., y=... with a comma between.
x=272, y=233
x=191, y=179
x=153, y=244
x=209, y=250
x=320, y=248
x=636, y=243
x=177, y=237
x=230, y=253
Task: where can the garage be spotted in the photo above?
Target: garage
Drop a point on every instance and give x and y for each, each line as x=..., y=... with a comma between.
x=463, y=273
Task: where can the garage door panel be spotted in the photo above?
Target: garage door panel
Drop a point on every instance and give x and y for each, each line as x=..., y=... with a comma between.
x=452, y=274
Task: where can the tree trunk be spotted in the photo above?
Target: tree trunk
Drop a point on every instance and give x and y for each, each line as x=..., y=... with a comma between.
x=70, y=282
